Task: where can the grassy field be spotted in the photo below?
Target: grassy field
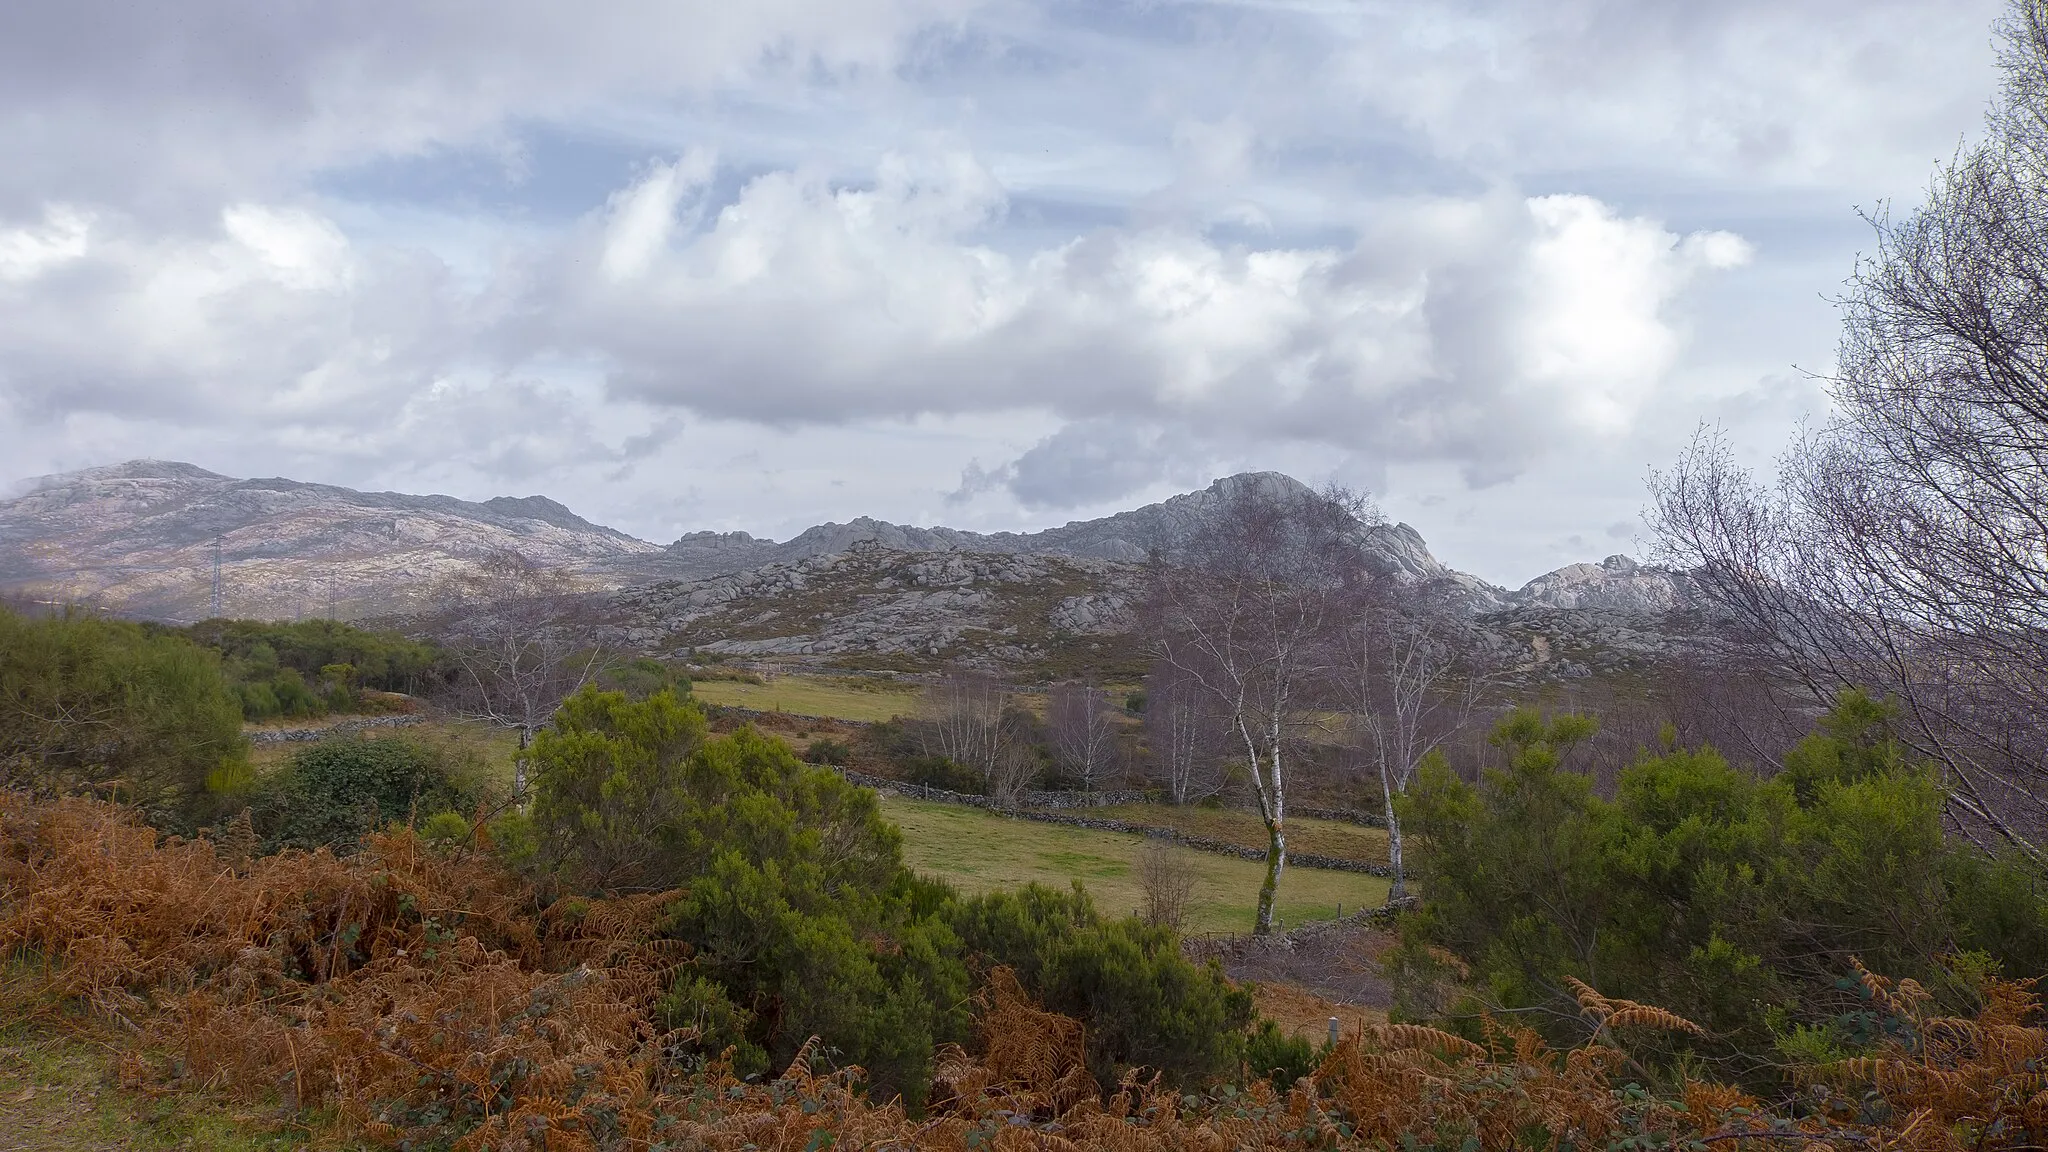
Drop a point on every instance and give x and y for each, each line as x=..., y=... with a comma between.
x=490, y=744
x=1234, y=826
x=977, y=852
x=834, y=697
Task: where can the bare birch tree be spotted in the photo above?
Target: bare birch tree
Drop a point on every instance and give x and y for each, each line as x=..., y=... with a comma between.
x=1182, y=729
x=1084, y=731
x=1410, y=674
x=1242, y=609
x=1015, y=767
x=1903, y=547
x=963, y=715
x=525, y=638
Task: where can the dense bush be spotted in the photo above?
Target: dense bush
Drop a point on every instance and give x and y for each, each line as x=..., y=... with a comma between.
x=1145, y=1003
x=799, y=912
x=940, y=772
x=332, y=794
x=1736, y=901
x=89, y=703
x=406, y=998
x=643, y=677
x=826, y=750
x=802, y=919
x=312, y=667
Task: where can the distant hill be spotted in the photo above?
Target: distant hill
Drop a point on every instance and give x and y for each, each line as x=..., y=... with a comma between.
x=140, y=537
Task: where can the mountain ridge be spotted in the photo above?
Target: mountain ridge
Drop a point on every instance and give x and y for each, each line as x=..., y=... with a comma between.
x=139, y=536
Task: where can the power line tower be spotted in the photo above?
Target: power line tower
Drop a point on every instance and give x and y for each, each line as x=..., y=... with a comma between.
x=215, y=612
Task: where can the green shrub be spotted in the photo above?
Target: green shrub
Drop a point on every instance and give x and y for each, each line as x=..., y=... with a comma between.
x=111, y=707
x=1731, y=900
x=260, y=651
x=445, y=828
x=1143, y=1001
x=796, y=902
x=1278, y=1058
x=643, y=677
x=611, y=791
x=802, y=919
x=330, y=794
x=702, y=1006
x=825, y=750
x=939, y=772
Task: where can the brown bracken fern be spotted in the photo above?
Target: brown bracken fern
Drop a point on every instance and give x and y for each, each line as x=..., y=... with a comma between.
x=423, y=997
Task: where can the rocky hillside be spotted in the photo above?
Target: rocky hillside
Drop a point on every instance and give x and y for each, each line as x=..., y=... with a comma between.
x=873, y=607
x=1127, y=537
x=140, y=537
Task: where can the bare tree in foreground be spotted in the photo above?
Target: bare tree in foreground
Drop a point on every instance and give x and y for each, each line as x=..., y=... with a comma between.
x=1903, y=547
x=1084, y=731
x=1411, y=677
x=525, y=638
x=1242, y=612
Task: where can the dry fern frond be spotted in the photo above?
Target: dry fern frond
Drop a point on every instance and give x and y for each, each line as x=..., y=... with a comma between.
x=1432, y=1039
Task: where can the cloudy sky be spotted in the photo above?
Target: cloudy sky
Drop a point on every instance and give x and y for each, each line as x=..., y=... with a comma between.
x=988, y=263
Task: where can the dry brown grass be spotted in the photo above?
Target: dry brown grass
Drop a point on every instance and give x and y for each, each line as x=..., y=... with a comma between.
x=1302, y=1013
x=422, y=998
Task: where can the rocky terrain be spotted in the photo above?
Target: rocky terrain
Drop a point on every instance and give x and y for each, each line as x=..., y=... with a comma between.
x=140, y=538
x=1126, y=537
x=873, y=607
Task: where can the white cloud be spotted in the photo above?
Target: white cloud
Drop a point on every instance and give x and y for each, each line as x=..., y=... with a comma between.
x=302, y=251
x=1595, y=334
x=1455, y=328
x=1100, y=248
x=30, y=251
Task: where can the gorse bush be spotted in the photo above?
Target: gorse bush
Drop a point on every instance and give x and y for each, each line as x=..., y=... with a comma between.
x=934, y=771
x=310, y=668
x=801, y=919
x=792, y=892
x=108, y=706
x=1735, y=901
x=1145, y=1003
x=826, y=750
x=643, y=677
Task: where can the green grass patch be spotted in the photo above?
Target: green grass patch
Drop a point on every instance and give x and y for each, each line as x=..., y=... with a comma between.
x=1235, y=826
x=977, y=851
x=832, y=697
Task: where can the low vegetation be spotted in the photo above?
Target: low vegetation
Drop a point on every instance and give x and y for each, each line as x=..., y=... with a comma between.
x=977, y=851
x=412, y=998
x=1745, y=904
x=831, y=697
x=684, y=935
x=312, y=668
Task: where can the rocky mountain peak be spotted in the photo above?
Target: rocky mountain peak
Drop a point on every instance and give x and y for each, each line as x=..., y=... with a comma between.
x=140, y=535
